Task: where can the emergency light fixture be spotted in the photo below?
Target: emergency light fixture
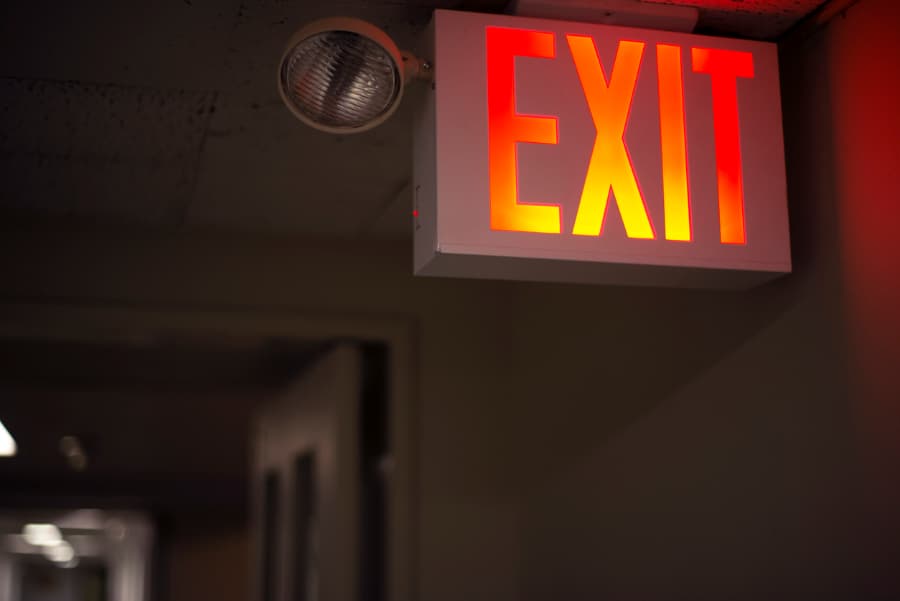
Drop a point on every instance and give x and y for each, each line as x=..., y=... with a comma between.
x=584, y=150
x=343, y=75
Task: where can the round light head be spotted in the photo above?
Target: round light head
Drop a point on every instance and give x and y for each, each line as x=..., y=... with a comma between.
x=341, y=75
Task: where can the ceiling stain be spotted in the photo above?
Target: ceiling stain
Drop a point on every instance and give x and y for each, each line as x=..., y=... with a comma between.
x=69, y=147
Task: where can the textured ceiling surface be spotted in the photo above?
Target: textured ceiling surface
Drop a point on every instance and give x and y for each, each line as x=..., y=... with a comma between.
x=165, y=114
x=760, y=19
x=86, y=147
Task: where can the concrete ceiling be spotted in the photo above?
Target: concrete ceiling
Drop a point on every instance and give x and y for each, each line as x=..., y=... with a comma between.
x=757, y=19
x=165, y=114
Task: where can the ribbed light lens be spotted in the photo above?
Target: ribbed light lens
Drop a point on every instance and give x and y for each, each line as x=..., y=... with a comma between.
x=340, y=79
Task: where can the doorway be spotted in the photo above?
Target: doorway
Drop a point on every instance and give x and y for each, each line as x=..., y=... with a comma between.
x=385, y=539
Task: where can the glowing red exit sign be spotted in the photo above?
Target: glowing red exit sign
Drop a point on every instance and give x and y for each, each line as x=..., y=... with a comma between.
x=550, y=150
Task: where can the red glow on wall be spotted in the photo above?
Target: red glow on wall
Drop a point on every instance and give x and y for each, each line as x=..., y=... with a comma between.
x=507, y=128
x=724, y=67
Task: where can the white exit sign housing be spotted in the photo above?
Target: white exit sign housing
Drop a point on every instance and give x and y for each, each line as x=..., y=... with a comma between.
x=559, y=151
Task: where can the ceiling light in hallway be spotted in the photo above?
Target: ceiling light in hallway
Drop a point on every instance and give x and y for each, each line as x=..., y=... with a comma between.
x=7, y=444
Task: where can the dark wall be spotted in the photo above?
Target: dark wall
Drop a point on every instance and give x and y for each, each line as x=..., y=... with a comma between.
x=702, y=445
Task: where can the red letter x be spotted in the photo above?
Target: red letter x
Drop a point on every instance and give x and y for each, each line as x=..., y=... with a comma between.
x=610, y=166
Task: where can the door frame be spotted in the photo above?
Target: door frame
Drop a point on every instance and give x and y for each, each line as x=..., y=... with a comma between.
x=117, y=323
